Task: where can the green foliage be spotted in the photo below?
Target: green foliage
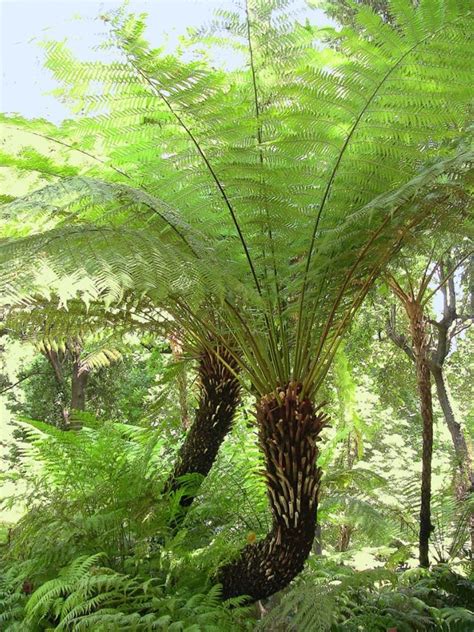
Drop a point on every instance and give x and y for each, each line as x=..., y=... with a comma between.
x=84, y=490
x=252, y=208
x=89, y=596
x=96, y=547
x=375, y=600
x=98, y=553
x=118, y=392
x=280, y=223
x=345, y=11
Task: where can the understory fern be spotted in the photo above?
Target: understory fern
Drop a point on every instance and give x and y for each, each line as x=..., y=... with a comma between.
x=333, y=598
x=95, y=550
x=89, y=596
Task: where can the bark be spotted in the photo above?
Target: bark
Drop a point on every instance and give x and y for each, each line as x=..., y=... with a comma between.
x=463, y=456
x=420, y=347
x=346, y=530
x=434, y=359
x=79, y=381
x=219, y=398
x=344, y=537
x=465, y=485
x=289, y=427
x=56, y=362
x=318, y=540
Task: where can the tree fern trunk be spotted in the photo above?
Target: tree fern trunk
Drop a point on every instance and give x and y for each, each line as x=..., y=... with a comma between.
x=420, y=346
x=288, y=430
x=56, y=362
x=345, y=533
x=219, y=398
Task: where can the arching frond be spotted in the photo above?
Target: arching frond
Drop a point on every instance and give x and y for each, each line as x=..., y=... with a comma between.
x=271, y=195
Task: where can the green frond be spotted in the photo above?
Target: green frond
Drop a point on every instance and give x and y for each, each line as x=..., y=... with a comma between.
x=266, y=198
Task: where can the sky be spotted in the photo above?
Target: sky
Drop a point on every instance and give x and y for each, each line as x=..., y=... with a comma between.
x=25, y=23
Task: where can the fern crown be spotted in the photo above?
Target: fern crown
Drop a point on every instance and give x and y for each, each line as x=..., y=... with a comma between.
x=254, y=206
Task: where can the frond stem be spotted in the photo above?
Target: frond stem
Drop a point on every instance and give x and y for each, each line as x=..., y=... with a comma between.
x=391, y=70
x=210, y=168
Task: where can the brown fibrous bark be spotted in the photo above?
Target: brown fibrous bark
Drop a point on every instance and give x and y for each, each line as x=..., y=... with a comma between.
x=289, y=428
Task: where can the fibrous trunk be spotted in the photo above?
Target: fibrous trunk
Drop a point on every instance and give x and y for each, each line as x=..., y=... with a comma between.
x=420, y=346
x=78, y=389
x=79, y=379
x=218, y=401
x=289, y=427
x=55, y=359
x=345, y=533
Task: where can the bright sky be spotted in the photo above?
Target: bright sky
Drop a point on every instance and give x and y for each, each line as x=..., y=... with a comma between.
x=24, y=23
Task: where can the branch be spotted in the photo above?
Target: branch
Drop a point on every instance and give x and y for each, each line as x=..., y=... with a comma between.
x=73, y=148
x=445, y=332
x=464, y=324
x=26, y=377
x=399, y=339
x=446, y=277
x=55, y=362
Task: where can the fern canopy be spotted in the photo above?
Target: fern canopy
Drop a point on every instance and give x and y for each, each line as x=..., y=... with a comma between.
x=255, y=205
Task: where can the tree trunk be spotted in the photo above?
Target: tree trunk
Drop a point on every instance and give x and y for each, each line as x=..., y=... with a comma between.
x=465, y=485
x=420, y=346
x=463, y=456
x=219, y=398
x=288, y=430
x=318, y=540
x=56, y=362
x=79, y=379
x=345, y=533
x=79, y=385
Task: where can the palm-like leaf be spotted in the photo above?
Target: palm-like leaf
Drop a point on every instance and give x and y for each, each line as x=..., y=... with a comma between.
x=343, y=128
x=256, y=207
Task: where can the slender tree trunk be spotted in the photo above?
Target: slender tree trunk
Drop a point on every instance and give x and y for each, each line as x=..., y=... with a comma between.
x=55, y=361
x=219, y=398
x=465, y=484
x=318, y=540
x=346, y=530
x=79, y=385
x=289, y=428
x=420, y=346
x=463, y=456
x=344, y=537
x=79, y=381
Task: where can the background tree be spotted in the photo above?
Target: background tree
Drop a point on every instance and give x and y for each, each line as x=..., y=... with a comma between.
x=443, y=332
x=429, y=351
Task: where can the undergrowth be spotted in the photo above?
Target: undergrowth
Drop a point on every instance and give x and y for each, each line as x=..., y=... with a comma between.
x=95, y=551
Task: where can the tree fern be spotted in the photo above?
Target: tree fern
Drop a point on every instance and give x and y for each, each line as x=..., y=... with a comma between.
x=291, y=182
